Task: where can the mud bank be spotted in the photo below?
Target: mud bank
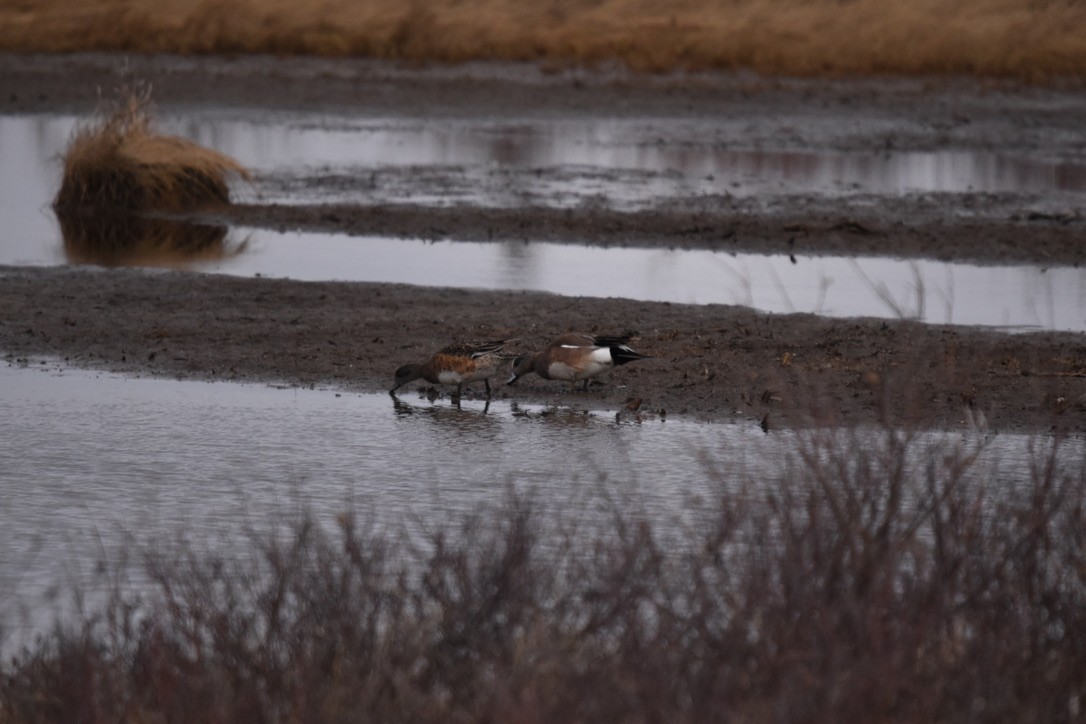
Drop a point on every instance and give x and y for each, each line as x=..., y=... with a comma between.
x=1056, y=238
x=710, y=362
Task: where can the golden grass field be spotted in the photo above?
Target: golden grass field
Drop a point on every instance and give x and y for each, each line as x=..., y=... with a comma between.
x=1027, y=39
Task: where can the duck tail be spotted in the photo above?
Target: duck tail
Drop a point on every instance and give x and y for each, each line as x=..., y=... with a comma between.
x=621, y=354
x=617, y=340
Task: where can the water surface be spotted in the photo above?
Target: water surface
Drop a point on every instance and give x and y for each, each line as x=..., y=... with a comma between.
x=1012, y=297
x=87, y=459
x=91, y=463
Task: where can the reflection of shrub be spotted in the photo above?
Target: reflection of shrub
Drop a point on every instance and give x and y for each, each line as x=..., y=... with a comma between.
x=873, y=579
x=128, y=239
x=117, y=164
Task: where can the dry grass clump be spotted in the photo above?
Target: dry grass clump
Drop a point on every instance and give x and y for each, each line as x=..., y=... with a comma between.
x=117, y=164
x=871, y=580
x=1031, y=39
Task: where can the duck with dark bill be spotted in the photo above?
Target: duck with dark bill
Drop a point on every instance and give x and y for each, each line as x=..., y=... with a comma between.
x=576, y=358
x=457, y=364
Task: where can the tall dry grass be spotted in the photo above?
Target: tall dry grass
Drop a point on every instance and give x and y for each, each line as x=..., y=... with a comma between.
x=870, y=580
x=1022, y=38
x=117, y=164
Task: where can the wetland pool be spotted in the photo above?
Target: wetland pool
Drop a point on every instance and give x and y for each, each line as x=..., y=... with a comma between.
x=1013, y=297
x=90, y=462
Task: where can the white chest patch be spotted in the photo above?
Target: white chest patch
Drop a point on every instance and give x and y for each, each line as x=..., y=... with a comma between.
x=597, y=363
x=448, y=377
x=594, y=367
x=561, y=371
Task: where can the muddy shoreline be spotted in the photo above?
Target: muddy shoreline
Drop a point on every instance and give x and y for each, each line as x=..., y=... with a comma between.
x=1055, y=238
x=711, y=362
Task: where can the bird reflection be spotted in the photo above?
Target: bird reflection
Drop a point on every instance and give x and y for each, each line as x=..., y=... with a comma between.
x=452, y=412
x=556, y=415
x=474, y=417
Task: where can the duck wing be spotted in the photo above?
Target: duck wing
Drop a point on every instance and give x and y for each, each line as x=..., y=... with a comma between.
x=473, y=350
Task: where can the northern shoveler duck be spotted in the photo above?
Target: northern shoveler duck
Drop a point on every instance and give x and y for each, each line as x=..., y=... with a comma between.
x=457, y=364
x=576, y=357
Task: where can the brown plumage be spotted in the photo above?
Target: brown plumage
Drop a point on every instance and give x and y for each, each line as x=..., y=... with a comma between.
x=576, y=357
x=457, y=364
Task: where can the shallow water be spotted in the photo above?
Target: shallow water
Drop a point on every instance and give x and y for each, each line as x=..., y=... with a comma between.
x=1010, y=297
x=294, y=143
x=90, y=462
x=101, y=449
x=87, y=460
x=624, y=164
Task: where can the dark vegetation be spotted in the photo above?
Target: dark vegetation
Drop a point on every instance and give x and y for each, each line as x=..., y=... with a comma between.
x=872, y=577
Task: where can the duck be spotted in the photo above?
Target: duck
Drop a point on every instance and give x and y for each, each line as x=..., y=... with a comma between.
x=457, y=364
x=576, y=358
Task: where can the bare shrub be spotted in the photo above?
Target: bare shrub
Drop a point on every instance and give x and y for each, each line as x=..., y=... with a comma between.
x=879, y=576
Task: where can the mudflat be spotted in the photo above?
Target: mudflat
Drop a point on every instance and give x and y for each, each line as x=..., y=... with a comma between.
x=710, y=362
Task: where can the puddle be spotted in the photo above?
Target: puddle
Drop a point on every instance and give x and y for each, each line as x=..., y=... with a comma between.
x=88, y=458
x=939, y=292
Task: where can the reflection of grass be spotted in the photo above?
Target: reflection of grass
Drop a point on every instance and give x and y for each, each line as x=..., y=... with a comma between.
x=117, y=164
x=871, y=579
x=1001, y=37
x=131, y=240
x=884, y=295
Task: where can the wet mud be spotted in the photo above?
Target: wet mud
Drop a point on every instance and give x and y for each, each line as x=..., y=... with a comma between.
x=710, y=362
